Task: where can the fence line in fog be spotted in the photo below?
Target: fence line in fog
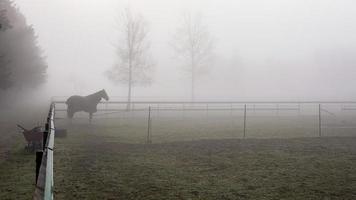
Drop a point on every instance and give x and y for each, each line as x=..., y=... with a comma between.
x=223, y=102
x=212, y=105
x=149, y=106
x=44, y=158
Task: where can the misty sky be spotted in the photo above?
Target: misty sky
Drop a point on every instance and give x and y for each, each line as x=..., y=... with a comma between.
x=275, y=49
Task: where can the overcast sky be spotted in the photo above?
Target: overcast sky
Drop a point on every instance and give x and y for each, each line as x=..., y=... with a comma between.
x=275, y=49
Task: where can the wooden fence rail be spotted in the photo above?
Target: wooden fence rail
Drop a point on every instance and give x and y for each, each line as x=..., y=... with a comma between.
x=44, y=160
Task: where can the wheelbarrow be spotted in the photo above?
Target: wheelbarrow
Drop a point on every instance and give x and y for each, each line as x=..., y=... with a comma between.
x=33, y=137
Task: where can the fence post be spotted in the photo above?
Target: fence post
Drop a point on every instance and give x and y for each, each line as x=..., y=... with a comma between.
x=157, y=110
x=319, y=120
x=39, y=155
x=47, y=125
x=207, y=110
x=149, y=126
x=44, y=139
x=230, y=110
x=277, y=109
x=245, y=121
x=44, y=161
x=106, y=110
x=183, y=105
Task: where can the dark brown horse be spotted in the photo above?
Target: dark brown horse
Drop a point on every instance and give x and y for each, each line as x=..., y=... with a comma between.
x=85, y=103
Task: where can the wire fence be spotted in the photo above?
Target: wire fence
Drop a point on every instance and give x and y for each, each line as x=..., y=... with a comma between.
x=247, y=119
x=156, y=119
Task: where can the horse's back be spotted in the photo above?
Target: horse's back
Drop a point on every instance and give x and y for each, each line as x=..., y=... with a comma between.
x=74, y=100
x=80, y=103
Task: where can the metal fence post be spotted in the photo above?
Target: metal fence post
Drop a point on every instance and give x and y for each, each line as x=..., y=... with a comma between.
x=319, y=120
x=183, y=110
x=149, y=126
x=277, y=109
x=245, y=121
x=207, y=110
x=44, y=138
x=157, y=110
x=230, y=110
x=106, y=110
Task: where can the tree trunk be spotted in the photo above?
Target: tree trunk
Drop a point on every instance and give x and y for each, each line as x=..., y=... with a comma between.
x=130, y=87
x=193, y=87
x=128, y=106
x=193, y=77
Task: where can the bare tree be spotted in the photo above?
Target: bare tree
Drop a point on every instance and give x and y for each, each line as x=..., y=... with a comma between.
x=193, y=44
x=134, y=65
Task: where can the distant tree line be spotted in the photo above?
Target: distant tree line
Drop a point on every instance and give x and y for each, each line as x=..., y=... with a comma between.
x=22, y=64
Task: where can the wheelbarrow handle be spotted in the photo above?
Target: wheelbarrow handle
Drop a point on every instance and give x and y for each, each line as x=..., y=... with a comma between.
x=21, y=127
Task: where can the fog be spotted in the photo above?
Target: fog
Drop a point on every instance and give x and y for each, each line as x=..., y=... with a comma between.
x=263, y=50
x=178, y=99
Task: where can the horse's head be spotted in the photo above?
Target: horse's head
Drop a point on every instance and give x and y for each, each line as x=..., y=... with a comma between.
x=104, y=95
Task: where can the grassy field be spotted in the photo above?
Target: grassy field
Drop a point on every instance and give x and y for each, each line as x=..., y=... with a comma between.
x=17, y=166
x=204, y=158
x=192, y=156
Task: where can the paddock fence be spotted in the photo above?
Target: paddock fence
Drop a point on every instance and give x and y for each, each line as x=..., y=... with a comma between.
x=328, y=115
x=44, y=160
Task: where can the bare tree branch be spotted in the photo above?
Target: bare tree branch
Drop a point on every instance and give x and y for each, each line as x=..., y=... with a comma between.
x=193, y=45
x=134, y=64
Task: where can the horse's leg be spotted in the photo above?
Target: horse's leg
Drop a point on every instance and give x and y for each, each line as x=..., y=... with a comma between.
x=90, y=117
x=70, y=112
x=71, y=119
x=70, y=115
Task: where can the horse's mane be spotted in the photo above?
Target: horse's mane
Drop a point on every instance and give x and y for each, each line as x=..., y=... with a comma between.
x=95, y=96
